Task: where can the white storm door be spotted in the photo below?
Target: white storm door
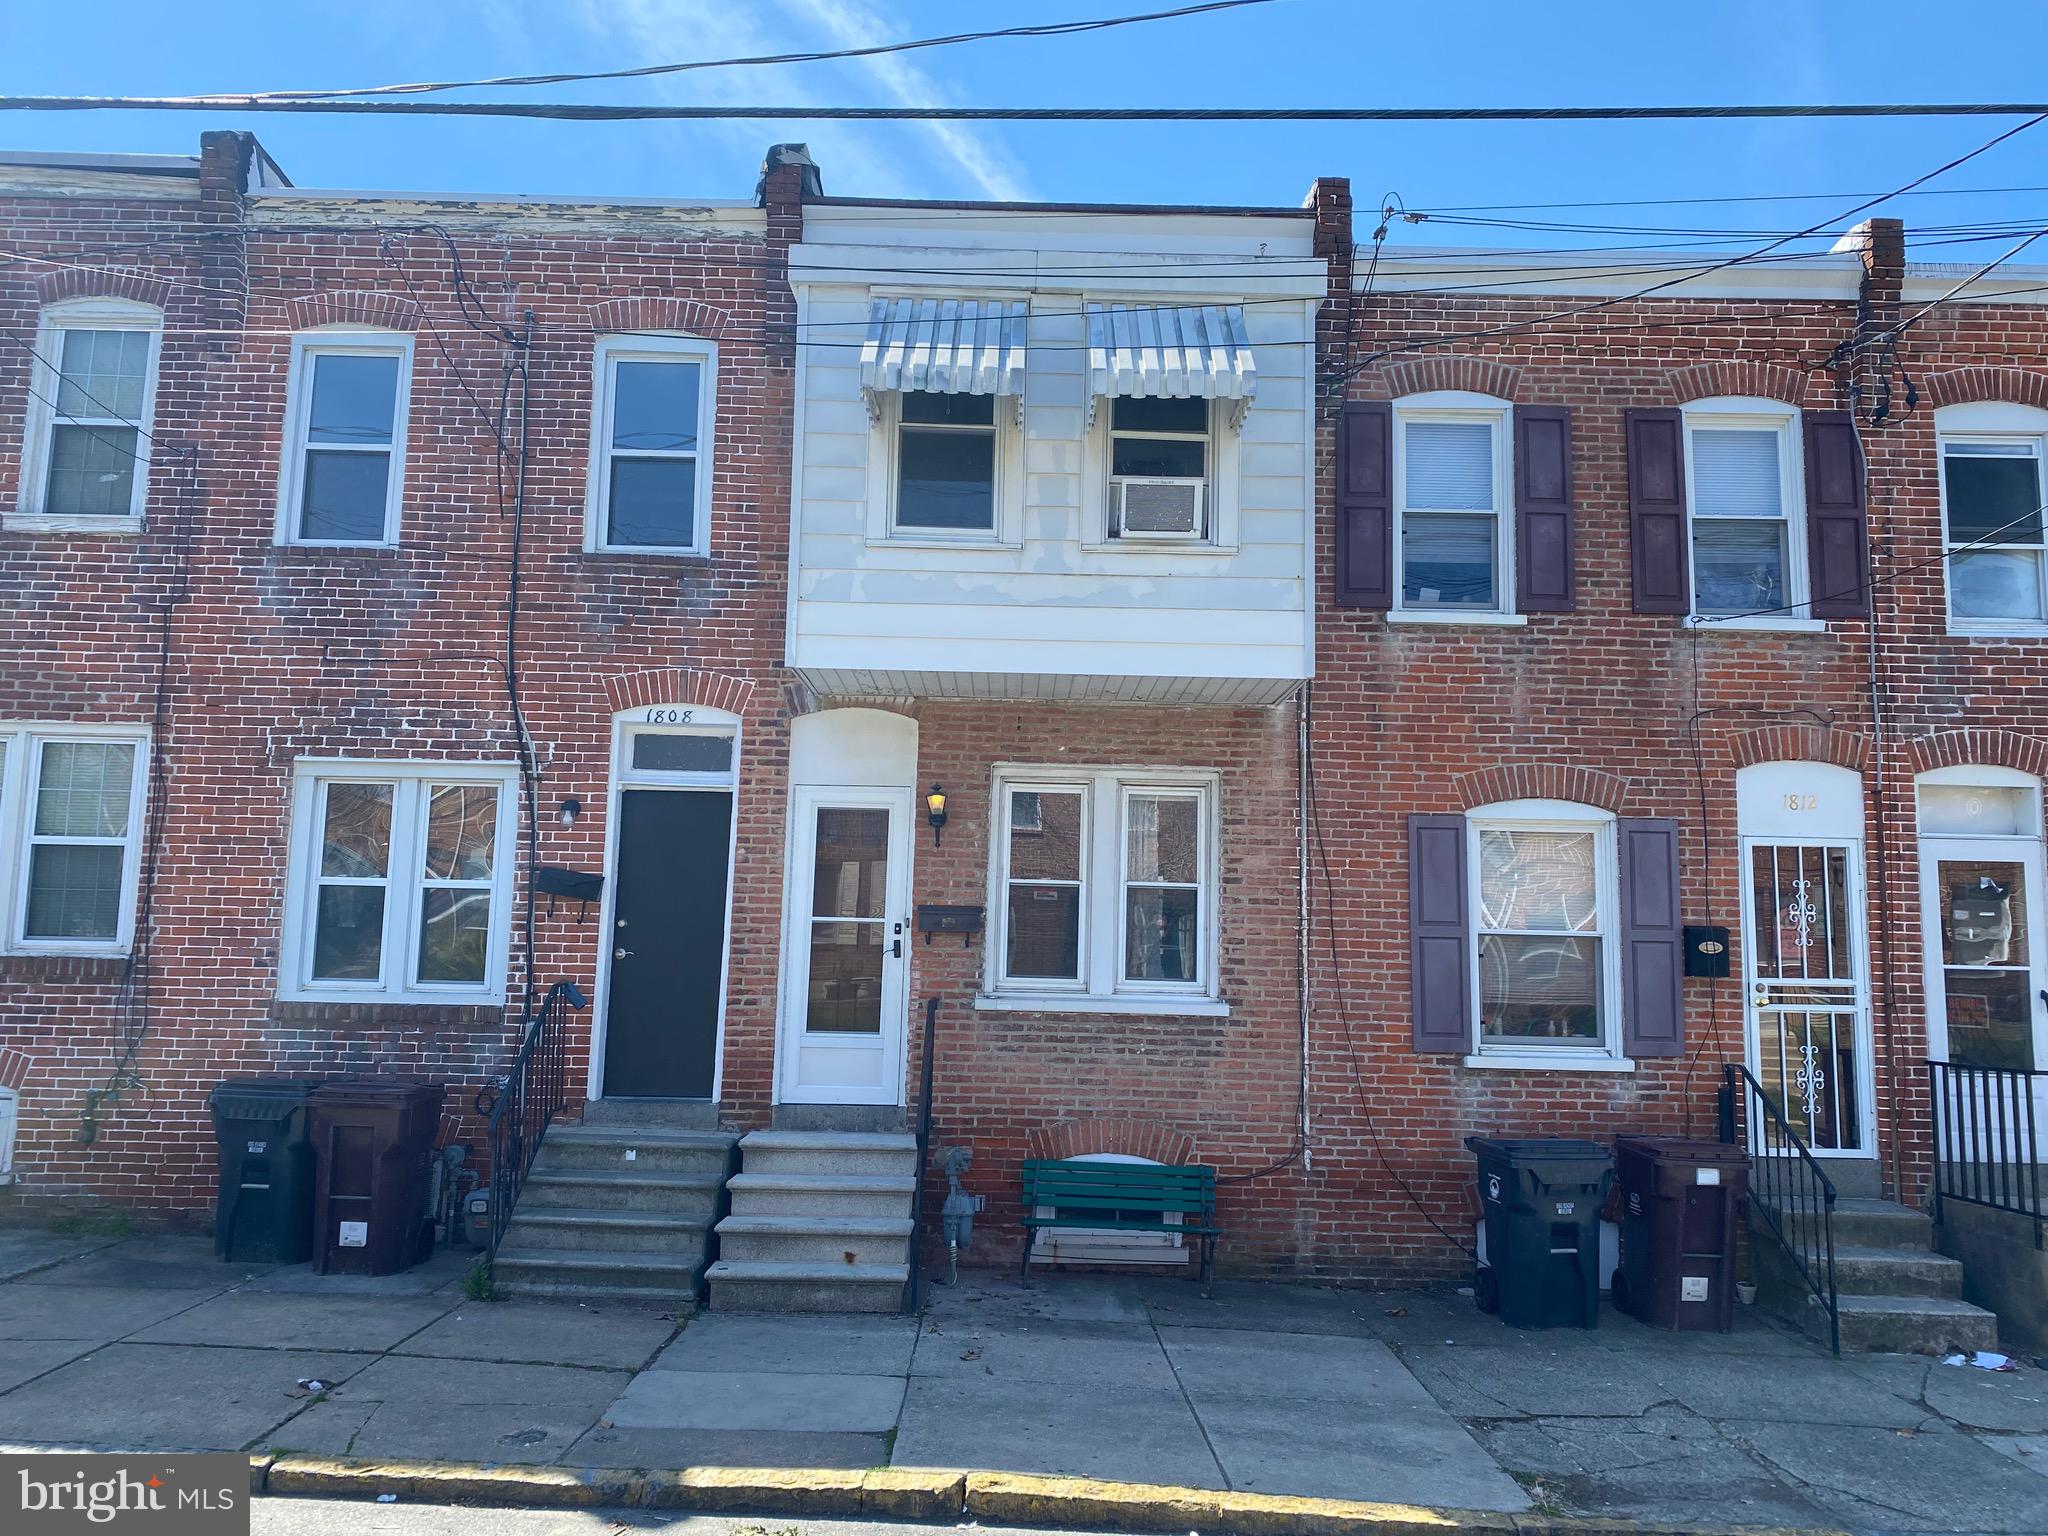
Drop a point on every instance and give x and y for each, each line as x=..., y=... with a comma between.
x=846, y=951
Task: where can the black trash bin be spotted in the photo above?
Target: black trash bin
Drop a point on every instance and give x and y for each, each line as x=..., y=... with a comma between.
x=264, y=1208
x=374, y=1137
x=1681, y=1207
x=1542, y=1202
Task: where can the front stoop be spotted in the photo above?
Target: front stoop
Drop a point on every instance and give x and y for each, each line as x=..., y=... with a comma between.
x=618, y=1209
x=821, y=1222
x=1894, y=1292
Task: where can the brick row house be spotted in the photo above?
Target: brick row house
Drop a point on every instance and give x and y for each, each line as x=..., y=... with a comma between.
x=1281, y=711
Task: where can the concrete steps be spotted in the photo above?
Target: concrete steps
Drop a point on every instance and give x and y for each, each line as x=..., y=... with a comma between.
x=620, y=1208
x=821, y=1222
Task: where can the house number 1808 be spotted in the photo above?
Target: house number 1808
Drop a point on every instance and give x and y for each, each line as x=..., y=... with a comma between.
x=1802, y=802
x=668, y=716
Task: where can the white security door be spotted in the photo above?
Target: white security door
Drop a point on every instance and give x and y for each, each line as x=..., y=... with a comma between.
x=844, y=1004
x=1984, y=965
x=1808, y=1014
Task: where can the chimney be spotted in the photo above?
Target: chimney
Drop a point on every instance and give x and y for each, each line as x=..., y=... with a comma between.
x=225, y=162
x=793, y=163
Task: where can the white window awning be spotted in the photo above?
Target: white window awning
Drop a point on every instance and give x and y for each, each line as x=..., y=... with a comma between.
x=1197, y=351
x=944, y=347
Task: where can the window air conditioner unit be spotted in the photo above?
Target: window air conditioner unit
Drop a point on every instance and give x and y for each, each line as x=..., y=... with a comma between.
x=1157, y=508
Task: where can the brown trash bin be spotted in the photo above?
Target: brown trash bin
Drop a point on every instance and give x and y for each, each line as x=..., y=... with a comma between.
x=373, y=1138
x=1681, y=1211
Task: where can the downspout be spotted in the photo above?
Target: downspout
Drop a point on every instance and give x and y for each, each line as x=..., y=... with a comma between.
x=1301, y=925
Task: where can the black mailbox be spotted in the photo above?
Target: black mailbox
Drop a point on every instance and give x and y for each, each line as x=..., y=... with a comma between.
x=1706, y=950
x=965, y=921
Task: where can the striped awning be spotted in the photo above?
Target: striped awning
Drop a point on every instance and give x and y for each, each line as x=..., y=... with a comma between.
x=944, y=347
x=1179, y=351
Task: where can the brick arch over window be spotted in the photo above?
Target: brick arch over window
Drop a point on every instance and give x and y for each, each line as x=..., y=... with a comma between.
x=1992, y=749
x=347, y=306
x=1800, y=744
x=1543, y=781
x=658, y=314
x=1963, y=386
x=678, y=685
x=801, y=699
x=1131, y=1135
x=13, y=1068
x=1481, y=376
x=69, y=283
x=1764, y=381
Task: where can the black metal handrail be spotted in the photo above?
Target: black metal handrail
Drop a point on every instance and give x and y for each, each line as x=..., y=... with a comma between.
x=1787, y=1188
x=913, y=1287
x=1987, y=1138
x=526, y=1100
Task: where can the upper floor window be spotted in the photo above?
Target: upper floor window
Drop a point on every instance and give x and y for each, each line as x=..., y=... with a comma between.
x=1747, y=509
x=345, y=413
x=400, y=882
x=1994, y=482
x=70, y=832
x=85, y=459
x=1159, y=467
x=650, y=454
x=1451, y=479
x=946, y=448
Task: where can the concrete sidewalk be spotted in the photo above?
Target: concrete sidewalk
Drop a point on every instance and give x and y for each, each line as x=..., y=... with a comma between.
x=1409, y=1397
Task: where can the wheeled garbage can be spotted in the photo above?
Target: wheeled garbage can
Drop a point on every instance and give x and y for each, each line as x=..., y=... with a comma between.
x=374, y=1137
x=1681, y=1208
x=1542, y=1201
x=263, y=1211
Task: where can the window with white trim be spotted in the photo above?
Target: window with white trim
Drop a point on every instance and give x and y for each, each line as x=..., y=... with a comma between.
x=92, y=395
x=1746, y=503
x=400, y=883
x=947, y=447
x=1454, y=534
x=1104, y=886
x=650, y=449
x=1994, y=482
x=1161, y=450
x=71, y=808
x=1545, y=916
x=345, y=425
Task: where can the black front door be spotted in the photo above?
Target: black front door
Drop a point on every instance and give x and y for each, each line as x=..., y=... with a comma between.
x=668, y=943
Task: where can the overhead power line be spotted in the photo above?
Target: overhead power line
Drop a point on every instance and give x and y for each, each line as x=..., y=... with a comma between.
x=564, y=111
x=1047, y=29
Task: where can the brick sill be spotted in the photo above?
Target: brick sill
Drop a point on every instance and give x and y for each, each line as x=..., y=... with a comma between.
x=97, y=969
x=405, y=1015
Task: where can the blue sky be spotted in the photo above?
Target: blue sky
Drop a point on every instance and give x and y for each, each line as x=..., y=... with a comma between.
x=1339, y=52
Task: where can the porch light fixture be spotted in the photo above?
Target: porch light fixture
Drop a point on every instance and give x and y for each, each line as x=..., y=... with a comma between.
x=935, y=812
x=569, y=810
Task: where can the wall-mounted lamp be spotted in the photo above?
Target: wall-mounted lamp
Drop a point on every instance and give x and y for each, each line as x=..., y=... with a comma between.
x=935, y=811
x=569, y=810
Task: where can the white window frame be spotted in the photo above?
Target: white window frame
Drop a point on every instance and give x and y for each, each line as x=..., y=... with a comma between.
x=605, y=358
x=1990, y=422
x=10, y=1124
x=1101, y=986
x=1208, y=437
x=1463, y=407
x=884, y=455
x=1221, y=497
x=1552, y=816
x=20, y=770
x=345, y=341
x=40, y=418
x=1748, y=413
x=403, y=884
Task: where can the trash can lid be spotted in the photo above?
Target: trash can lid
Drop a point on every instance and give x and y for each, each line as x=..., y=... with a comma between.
x=294, y=1090
x=1536, y=1149
x=378, y=1089
x=1682, y=1149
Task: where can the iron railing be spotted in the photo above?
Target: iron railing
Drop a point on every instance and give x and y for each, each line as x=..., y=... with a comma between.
x=526, y=1101
x=1987, y=1138
x=1787, y=1188
x=913, y=1288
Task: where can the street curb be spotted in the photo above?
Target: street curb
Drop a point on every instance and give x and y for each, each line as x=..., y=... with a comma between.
x=1012, y=1498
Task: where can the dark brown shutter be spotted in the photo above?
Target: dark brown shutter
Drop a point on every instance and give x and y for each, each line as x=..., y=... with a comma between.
x=1837, y=531
x=1652, y=947
x=1656, y=512
x=1543, y=509
x=1439, y=934
x=1365, y=505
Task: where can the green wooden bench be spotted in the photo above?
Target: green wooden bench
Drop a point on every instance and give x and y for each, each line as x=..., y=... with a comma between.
x=1122, y=1197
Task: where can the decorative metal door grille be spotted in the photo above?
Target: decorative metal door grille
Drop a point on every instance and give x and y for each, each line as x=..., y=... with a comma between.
x=1804, y=990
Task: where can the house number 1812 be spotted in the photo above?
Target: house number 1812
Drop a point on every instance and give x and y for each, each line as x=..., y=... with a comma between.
x=1801, y=802
x=668, y=716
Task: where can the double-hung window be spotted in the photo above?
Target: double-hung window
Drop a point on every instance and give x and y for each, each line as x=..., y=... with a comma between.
x=1747, y=510
x=1993, y=487
x=1451, y=477
x=86, y=455
x=400, y=883
x=946, y=449
x=71, y=808
x=1544, y=922
x=1104, y=890
x=344, y=470
x=1159, y=467
x=650, y=452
